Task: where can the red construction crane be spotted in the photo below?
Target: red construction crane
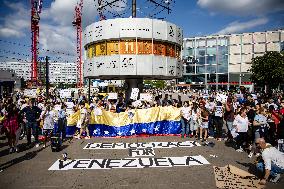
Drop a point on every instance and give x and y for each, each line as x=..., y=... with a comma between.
x=36, y=6
x=78, y=24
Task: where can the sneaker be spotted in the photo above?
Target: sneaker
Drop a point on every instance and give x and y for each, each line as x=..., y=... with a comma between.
x=275, y=179
x=17, y=149
x=44, y=146
x=210, y=137
x=37, y=145
x=87, y=137
x=240, y=150
x=77, y=137
x=11, y=150
x=250, y=155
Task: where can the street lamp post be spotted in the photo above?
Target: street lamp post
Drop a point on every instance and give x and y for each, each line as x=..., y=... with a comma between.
x=240, y=77
x=47, y=77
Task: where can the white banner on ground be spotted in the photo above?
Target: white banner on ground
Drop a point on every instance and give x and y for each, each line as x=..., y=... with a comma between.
x=106, y=145
x=65, y=93
x=31, y=93
x=146, y=96
x=184, y=161
x=112, y=95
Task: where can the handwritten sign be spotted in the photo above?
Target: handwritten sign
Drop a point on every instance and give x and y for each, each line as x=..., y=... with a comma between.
x=31, y=93
x=112, y=95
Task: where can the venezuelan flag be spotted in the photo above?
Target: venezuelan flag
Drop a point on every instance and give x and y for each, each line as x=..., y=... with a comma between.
x=152, y=121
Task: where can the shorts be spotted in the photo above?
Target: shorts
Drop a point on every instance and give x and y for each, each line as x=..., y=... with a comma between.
x=47, y=132
x=204, y=125
x=84, y=126
x=193, y=125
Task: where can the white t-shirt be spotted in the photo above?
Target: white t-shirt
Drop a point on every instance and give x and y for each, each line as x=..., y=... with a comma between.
x=194, y=116
x=185, y=111
x=261, y=119
x=219, y=111
x=241, y=123
x=48, y=122
x=273, y=156
x=210, y=106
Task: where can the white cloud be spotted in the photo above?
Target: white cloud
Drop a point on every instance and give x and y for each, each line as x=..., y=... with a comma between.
x=16, y=23
x=237, y=26
x=8, y=32
x=56, y=31
x=242, y=7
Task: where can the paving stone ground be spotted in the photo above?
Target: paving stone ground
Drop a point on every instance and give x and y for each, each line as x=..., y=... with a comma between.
x=29, y=168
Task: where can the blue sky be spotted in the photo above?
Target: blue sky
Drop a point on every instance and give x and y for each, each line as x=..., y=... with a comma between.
x=196, y=17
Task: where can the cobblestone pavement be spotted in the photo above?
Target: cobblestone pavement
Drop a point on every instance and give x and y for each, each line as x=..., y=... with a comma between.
x=29, y=168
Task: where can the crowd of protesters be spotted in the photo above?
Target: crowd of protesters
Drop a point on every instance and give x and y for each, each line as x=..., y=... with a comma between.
x=239, y=118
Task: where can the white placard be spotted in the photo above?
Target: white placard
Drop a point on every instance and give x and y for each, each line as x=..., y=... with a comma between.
x=134, y=93
x=146, y=96
x=112, y=95
x=69, y=105
x=65, y=93
x=185, y=144
x=184, y=161
x=31, y=93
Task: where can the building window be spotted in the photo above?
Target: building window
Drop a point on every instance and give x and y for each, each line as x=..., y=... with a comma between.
x=222, y=50
x=200, y=43
x=200, y=52
x=282, y=46
x=211, y=42
x=211, y=59
x=222, y=41
x=211, y=51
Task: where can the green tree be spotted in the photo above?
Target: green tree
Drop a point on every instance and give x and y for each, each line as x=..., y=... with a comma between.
x=155, y=83
x=268, y=70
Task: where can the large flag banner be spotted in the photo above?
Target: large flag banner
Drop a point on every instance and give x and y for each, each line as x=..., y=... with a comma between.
x=152, y=121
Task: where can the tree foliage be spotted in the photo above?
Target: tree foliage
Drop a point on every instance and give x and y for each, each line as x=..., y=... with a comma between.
x=268, y=69
x=155, y=83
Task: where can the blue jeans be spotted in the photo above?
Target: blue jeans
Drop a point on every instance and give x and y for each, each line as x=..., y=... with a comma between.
x=32, y=126
x=184, y=126
x=274, y=169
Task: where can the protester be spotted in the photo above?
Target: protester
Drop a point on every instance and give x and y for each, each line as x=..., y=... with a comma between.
x=229, y=117
x=62, y=121
x=185, y=119
x=204, y=122
x=32, y=116
x=11, y=127
x=48, y=117
x=83, y=122
x=273, y=161
x=218, y=120
x=241, y=122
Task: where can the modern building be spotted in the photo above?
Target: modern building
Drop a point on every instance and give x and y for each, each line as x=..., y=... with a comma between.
x=58, y=72
x=221, y=61
x=8, y=82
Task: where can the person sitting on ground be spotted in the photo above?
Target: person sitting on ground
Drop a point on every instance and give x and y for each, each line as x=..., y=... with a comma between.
x=273, y=161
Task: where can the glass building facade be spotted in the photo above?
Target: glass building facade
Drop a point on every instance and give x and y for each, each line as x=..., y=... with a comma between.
x=222, y=61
